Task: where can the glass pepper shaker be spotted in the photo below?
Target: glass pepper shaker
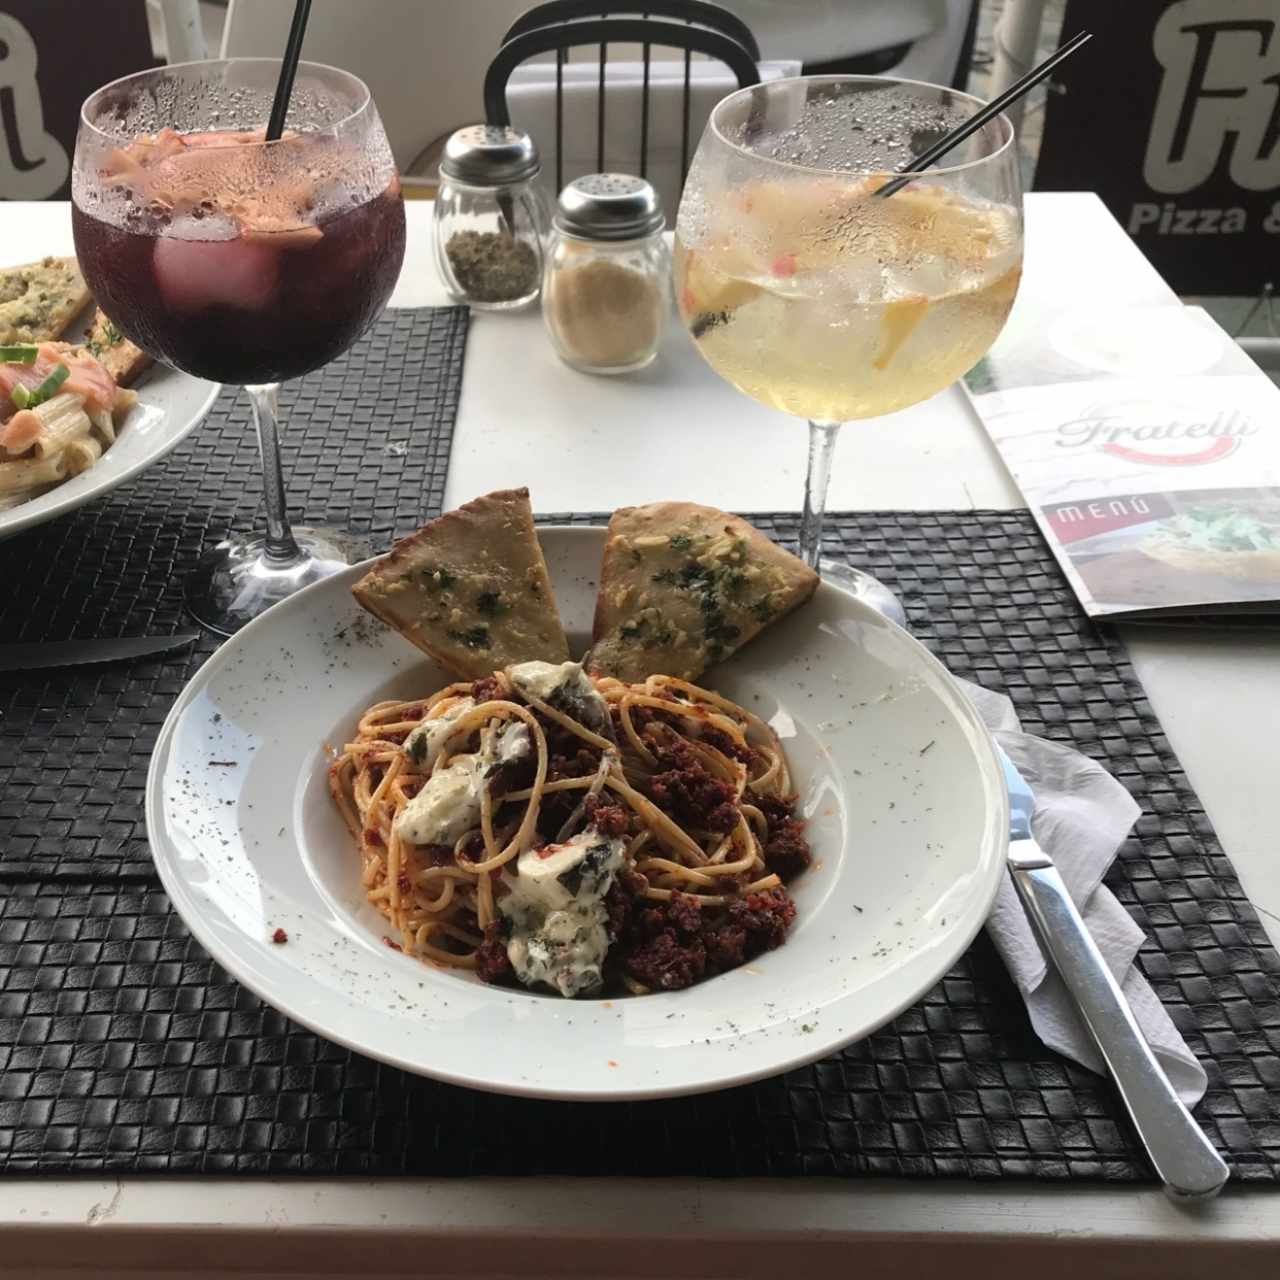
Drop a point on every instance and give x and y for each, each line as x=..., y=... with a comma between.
x=490, y=219
x=606, y=287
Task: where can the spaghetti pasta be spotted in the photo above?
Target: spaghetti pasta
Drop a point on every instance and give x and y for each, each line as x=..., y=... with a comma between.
x=575, y=833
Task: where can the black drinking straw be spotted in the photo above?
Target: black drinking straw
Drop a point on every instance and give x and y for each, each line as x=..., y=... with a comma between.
x=975, y=122
x=288, y=69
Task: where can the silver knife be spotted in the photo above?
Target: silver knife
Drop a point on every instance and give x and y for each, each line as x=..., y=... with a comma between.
x=70, y=653
x=1183, y=1157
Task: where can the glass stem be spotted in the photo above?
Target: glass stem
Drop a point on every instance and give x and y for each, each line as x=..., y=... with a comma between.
x=281, y=549
x=822, y=448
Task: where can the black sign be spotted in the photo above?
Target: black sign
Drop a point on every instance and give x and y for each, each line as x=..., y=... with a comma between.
x=53, y=55
x=1172, y=115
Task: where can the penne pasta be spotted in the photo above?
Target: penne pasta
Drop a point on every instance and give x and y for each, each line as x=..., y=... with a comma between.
x=62, y=420
x=43, y=444
x=31, y=473
x=81, y=455
x=19, y=433
x=104, y=425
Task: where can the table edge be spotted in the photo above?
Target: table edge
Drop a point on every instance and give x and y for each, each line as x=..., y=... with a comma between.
x=544, y=1226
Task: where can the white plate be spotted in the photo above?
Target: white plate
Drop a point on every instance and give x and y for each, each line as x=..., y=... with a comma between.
x=170, y=405
x=898, y=777
x=1139, y=342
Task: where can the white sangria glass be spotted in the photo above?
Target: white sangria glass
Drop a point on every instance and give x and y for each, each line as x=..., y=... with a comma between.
x=816, y=296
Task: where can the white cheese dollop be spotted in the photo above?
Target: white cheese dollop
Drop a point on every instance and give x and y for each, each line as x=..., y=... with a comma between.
x=541, y=679
x=564, y=686
x=446, y=808
x=556, y=908
x=424, y=743
x=514, y=742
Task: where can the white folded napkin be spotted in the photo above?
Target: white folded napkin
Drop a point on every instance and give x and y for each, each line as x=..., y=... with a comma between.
x=531, y=99
x=1081, y=817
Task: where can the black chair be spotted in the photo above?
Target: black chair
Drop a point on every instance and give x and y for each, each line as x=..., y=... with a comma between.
x=561, y=25
x=699, y=12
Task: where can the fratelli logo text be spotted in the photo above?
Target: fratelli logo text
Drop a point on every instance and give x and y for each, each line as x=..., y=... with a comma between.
x=1137, y=434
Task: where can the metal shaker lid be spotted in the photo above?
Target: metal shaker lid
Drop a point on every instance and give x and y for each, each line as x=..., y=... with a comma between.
x=484, y=155
x=609, y=206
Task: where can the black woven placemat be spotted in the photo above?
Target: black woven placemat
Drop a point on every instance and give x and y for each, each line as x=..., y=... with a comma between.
x=124, y=1048
x=74, y=744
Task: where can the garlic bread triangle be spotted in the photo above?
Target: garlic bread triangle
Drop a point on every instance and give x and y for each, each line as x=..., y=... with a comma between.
x=684, y=586
x=38, y=300
x=471, y=588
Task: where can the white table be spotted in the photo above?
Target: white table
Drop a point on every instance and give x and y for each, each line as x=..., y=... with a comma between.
x=593, y=443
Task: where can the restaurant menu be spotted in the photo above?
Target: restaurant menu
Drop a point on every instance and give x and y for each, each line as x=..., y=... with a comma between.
x=1147, y=445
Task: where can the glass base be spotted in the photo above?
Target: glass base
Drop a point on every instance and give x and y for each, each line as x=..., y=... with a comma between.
x=869, y=590
x=236, y=582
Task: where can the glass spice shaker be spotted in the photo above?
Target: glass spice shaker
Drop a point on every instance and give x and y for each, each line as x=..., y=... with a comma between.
x=490, y=219
x=606, y=287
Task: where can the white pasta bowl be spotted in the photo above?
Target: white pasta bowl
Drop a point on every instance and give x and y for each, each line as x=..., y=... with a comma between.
x=897, y=776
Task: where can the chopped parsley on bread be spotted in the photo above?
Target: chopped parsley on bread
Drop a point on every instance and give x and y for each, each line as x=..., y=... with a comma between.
x=471, y=588
x=40, y=299
x=114, y=352
x=683, y=587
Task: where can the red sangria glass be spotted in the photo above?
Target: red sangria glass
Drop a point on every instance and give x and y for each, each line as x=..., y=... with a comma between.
x=240, y=260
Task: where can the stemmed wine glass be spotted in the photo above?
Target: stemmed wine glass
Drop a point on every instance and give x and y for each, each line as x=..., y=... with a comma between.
x=816, y=296
x=241, y=260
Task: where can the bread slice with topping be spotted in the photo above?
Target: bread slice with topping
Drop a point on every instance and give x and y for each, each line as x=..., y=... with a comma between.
x=40, y=299
x=114, y=352
x=471, y=588
x=683, y=587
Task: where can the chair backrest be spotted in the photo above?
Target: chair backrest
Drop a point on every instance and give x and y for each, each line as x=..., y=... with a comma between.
x=600, y=33
x=697, y=11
